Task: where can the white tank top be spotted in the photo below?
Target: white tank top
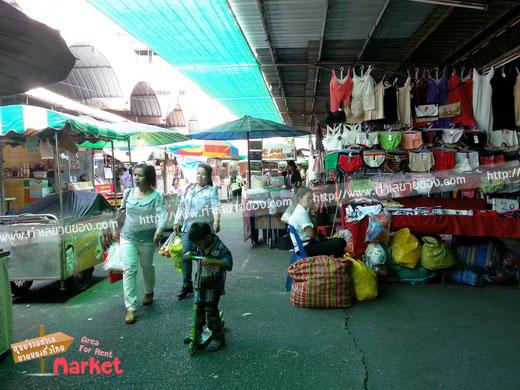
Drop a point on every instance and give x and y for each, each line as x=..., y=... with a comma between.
x=404, y=100
x=482, y=91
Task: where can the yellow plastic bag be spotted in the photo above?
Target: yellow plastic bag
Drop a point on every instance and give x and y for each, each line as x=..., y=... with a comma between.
x=175, y=250
x=436, y=254
x=406, y=248
x=365, y=281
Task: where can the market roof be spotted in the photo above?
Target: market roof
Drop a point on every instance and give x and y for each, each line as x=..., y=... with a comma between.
x=91, y=78
x=144, y=102
x=295, y=44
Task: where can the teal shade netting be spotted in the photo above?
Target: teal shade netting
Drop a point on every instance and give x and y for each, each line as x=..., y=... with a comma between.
x=202, y=39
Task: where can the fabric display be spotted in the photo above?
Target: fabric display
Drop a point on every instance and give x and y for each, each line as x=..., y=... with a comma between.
x=350, y=161
x=507, y=138
x=452, y=136
x=378, y=112
x=390, y=140
x=421, y=161
x=411, y=140
x=349, y=134
x=482, y=91
x=503, y=101
x=390, y=103
x=397, y=161
x=444, y=158
x=460, y=91
x=450, y=110
x=373, y=158
x=367, y=139
x=466, y=161
x=474, y=139
x=321, y=282
x=404, y=103
x=427, y=112
x=363, y=96
x=331, y=160
x=431, y=137
x=340, y=90
x=333, y=139
x=437, y=93
x=491, y=157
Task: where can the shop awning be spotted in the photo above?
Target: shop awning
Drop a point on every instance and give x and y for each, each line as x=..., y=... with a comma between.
x=25, y=120
x=215, y=149
x=203, y=40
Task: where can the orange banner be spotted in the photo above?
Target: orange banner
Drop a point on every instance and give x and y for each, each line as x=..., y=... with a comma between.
x=40, y=347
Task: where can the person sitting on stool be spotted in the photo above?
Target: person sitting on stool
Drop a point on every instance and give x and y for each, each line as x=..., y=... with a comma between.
x=301, y=221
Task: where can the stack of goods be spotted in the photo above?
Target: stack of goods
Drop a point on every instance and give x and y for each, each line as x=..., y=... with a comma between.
x=369, y=130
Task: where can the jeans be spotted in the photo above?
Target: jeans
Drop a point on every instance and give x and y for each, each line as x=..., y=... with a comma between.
x=131, y=254
x=207, y=313
x=187, y=265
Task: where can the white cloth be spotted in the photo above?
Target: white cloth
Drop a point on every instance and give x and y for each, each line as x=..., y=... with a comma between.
x=300, y=219
x=363, y=97
x=404, y=101
x=133, y=253
x=333, y=141
x=378, y=111
x=482, y=92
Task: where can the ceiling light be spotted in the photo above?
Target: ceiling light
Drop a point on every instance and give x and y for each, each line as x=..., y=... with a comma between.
x=456, y=3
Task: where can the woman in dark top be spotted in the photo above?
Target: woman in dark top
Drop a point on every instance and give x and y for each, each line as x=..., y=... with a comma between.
x=293, y=178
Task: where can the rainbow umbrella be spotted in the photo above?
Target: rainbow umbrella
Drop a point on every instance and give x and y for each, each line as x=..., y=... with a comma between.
x=212, y=149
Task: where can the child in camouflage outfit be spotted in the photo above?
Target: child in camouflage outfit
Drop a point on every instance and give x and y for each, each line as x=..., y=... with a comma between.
x=214, y=259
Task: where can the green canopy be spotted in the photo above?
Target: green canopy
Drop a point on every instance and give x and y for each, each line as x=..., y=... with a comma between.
x=248, y=127
x=25, y=120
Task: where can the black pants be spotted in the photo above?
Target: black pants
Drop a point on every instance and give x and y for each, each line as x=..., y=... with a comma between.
x=208, y=312
x=331, y=247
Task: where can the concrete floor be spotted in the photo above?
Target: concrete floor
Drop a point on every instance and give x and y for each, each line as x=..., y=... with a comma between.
x=412, y=337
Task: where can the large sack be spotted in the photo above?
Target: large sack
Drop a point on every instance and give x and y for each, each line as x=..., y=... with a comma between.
x=365, y=281
x=406, y=249
x=321, y=282
x=436, y=254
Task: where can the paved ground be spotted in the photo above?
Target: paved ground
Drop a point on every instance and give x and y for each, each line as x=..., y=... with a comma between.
x=426, y=337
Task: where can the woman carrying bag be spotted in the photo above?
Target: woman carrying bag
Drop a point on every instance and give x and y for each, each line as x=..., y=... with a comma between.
x=144, y=221
x=201, y=203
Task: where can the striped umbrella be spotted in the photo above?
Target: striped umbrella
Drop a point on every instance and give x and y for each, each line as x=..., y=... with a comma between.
x=214, y=149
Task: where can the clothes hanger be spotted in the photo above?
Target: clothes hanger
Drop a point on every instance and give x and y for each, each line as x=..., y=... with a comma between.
x=517, y=71
x=503, y=71
x=362, y=69
x=341, y=73
x=416, y=73
x=395, y=81
x=384, y=75
x=436, y=72
x=462, y=69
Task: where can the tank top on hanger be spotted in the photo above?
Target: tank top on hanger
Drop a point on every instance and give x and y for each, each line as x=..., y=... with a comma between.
x=458, y=93
x=390, y=104
x=482, y=92
x=517, y=99
x=404, y=102
x=503, y=102
x=340, y=91
x=363, y=98
x=437, y=93
x=377, y=112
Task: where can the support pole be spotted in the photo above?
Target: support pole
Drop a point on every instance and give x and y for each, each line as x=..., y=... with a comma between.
x=2, y=189
x=130, y=160
x=248, y=164
x=57, y=176
x=114, y=173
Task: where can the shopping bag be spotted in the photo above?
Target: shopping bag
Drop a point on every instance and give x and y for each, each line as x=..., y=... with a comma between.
x=114, y=261
x=321, y=282
x=406, y=249
x=435, y=254
x=365, y=280
x=173, y=248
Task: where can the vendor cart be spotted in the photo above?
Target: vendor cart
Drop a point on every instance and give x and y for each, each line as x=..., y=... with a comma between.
x=46, y=247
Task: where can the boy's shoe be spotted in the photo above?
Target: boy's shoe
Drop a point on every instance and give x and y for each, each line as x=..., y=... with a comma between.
x=185, y=292
x=215, y=345
x=187, y=340
x=148, y=299
x=130, y=317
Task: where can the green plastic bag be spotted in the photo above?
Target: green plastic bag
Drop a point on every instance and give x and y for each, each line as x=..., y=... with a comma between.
x=435, y=254
x=406, y=248
x=175, y=250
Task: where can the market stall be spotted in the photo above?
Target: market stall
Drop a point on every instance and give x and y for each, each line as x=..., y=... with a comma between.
x=253, y=130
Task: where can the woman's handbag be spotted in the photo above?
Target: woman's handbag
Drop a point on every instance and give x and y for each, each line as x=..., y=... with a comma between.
x=121, y=212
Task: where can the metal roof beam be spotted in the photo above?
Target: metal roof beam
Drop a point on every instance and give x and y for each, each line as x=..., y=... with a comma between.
x=318, y=58
x=261, y=9
x=432, y=23
x=373, y=29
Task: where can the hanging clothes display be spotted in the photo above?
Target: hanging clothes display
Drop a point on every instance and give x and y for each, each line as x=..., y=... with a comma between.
x=437, y=93
x=457, y=92
x=517, y=98
x=419, y=90
x=482, y=93
x=363, y=96
x=390, y=103
x=404, y=100
x=503, y=101
x=378, y=111
x=340, y=90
